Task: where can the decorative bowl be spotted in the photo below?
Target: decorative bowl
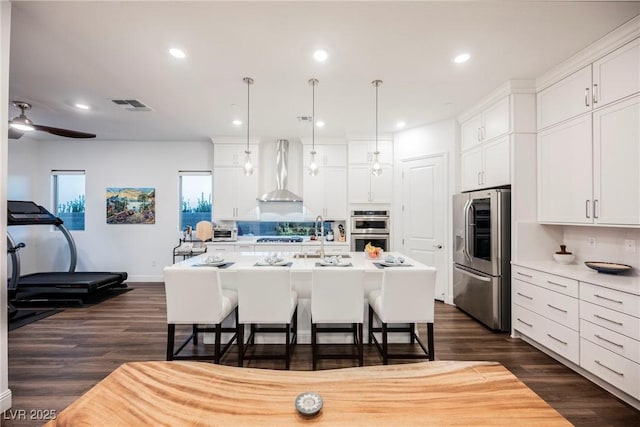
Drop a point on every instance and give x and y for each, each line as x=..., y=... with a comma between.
x=373, y=255
x=607, y=267
x=564, y=258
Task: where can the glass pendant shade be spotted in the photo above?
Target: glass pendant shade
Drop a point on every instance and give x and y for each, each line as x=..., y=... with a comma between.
x=313, y=166
x=248, y=166
x=376, y=167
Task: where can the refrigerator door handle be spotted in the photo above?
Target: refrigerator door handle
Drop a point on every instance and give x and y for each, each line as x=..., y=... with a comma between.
x=465, y=248
x=475, y=276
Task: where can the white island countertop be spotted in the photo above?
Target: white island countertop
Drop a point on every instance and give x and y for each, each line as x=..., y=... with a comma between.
x=299, y=264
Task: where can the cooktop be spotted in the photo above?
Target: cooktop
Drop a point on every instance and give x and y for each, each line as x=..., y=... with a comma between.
x=276, y=239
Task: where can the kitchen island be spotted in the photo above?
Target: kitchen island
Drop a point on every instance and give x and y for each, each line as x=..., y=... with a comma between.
x=301, y=269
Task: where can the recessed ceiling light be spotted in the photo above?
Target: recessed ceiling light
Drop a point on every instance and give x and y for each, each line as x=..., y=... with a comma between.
x=237, y=122
x=320, y=55
x=463, y=57
x=320, y=123
x=401, y=124
x=82, y=106
x=177, y=53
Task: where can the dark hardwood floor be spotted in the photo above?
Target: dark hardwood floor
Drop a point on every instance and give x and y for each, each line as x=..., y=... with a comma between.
x=55, y=360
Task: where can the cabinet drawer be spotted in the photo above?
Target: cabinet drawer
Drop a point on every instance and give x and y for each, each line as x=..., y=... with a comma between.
x=624, y=346
x=614, y=369
x=610, y=319
x=552, y=305
x=552, y=335
x=615, y=300
x=550, y=281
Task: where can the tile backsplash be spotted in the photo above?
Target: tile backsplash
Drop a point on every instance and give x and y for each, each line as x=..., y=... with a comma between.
x=603, y=244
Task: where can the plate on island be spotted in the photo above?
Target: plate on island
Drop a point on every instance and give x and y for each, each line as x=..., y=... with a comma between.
x=276, y=263
x=607, y=267
x=335, y=264
x=211, y=264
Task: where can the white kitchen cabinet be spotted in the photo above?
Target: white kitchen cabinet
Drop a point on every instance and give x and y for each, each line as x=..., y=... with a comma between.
x=364, y=187
x=326, y=193
x=327, y=155
x=588, y=168
x=616, y=144
x=617, y=75
x=565, y=99
x=609, y=79
x=486, y=166
x=361, y=152
x=233, y=154
x=492, y=122
x=594, y=326
x=564, y=172
x=234, y=194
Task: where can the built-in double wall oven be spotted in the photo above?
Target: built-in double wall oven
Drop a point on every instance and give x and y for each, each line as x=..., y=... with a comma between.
x=369, y=226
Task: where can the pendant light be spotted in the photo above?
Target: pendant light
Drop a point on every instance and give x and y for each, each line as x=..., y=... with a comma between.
x=376, y=168
x=248, y=166
x=313, y=166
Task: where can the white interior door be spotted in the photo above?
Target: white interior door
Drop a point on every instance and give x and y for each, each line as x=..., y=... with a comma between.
x=423, y=215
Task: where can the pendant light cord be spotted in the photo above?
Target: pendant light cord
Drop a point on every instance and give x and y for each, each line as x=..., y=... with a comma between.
x=313, y=82
x=249, y=82
x=377, y=83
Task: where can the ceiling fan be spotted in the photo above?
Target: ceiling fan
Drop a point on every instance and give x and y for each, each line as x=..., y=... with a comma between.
x=20, y=124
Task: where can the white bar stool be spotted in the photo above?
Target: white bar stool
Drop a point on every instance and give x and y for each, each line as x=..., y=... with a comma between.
x=337, y=297
x=195, y=297
x=407, y=297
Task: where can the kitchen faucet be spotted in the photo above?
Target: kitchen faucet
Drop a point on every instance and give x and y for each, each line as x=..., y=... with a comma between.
x=321, y=222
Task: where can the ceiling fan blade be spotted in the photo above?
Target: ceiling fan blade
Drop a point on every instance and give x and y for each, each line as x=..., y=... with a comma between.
x=64, y=132
x=14, y=133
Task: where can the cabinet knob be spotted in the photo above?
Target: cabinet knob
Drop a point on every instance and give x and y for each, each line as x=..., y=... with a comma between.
x=437, y=246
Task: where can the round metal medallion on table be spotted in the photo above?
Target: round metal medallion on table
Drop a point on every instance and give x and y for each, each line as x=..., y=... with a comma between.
x=308, y=403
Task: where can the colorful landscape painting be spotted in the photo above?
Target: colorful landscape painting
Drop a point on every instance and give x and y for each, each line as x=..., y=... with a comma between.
x=129, y=205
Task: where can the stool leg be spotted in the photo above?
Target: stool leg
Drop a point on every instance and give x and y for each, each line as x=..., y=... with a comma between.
x=360, y=345
x=370, y=325
x=287, y=346
x=412, y=331
x=216, y=351
x=171, y=332
x=385, y=345
x=314, y=346
x=240, y=344
x=430, y=341
x=194, y=331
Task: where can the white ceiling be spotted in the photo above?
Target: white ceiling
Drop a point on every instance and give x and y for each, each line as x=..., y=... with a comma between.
x=63, y=52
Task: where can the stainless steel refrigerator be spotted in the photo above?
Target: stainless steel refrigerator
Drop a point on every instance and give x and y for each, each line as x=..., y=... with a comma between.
x=482, y=256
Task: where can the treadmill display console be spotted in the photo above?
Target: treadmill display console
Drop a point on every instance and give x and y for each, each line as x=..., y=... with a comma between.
x=29, y=213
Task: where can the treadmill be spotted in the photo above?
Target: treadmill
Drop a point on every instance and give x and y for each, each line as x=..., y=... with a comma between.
x=71, y=286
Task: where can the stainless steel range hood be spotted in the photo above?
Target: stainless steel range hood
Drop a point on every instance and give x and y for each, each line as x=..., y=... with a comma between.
x=281, y=193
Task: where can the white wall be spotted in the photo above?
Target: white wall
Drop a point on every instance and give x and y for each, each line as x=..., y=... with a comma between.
x=435, y=138
x=5, y=32
x=140, y=250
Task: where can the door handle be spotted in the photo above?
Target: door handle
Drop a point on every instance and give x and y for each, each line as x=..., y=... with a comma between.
x=595, y=94
x=595, y=208
x=586, y=208
x=475, y=276
x=586, y=97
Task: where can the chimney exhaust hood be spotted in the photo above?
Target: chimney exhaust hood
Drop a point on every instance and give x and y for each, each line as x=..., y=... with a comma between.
x=281, y=193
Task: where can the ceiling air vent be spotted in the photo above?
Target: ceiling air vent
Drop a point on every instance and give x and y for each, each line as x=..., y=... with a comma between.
x=131, y=104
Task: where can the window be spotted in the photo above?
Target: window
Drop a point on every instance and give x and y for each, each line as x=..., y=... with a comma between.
x=68, y=198
x=195, y=198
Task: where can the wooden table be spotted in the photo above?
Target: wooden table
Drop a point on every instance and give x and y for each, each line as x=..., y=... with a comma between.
x=194, y=393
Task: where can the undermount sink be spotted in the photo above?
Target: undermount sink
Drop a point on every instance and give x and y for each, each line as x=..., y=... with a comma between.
x=317, y=255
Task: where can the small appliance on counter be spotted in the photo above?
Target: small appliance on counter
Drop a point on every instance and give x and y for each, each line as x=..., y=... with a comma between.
x=329, y=236
x=224, y=235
